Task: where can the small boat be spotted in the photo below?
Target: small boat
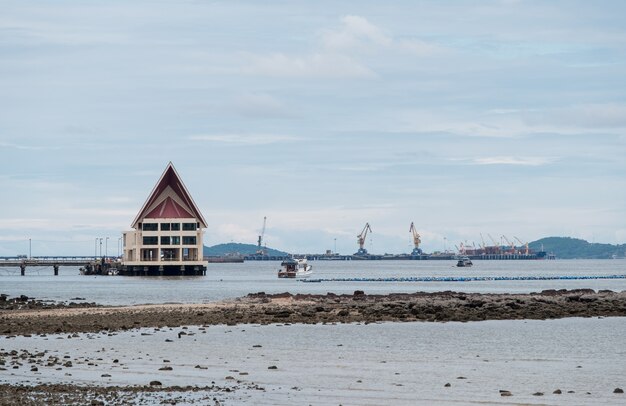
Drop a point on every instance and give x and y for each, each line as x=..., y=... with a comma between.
x=113, y=271
x=295, y=268
x=464, y=261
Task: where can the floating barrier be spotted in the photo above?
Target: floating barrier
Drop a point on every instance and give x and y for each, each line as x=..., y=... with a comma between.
x=465, y=278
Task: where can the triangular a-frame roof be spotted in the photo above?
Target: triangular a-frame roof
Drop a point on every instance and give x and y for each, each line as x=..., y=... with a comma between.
x=169, y=199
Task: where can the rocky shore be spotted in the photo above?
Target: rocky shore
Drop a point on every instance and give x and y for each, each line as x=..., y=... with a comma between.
x=261, y=308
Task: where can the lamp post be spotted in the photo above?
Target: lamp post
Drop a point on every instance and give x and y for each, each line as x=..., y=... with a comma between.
x=119, y=247
x=335, y=251
x=95, y=252
x=106, y=247
x=445, y=247
x=100, y=246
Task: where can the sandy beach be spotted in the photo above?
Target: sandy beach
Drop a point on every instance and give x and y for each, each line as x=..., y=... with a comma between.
x=254, y=349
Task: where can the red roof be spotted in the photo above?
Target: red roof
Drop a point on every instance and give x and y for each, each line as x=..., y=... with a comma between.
x=169, y=199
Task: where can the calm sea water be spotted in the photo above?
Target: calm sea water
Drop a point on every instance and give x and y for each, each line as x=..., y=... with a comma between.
x=356, y=364
x=224, y=281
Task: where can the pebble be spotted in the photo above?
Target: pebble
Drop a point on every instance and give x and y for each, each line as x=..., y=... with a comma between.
x=557, y=392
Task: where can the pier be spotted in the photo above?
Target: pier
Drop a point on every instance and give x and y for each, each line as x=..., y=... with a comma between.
x=88, y=263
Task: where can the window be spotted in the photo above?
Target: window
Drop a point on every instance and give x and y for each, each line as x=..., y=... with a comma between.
x=150, y=240
x=165, y=240
x=175, y=240
x=150, y=227
x=189, y=240
x=175, y=226
x=189, y=226
x=165, y=226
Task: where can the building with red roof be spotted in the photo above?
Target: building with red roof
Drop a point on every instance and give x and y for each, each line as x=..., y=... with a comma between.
x=167, y=232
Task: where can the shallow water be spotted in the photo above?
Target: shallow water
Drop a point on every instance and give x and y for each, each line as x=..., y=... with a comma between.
x=387, y=363
x=234, y=280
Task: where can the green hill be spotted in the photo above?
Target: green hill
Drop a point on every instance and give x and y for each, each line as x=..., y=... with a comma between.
x=237, y=248
x=570, y=248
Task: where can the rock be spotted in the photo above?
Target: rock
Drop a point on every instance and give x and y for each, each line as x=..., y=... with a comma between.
x=447, y=385
x=461, y=377
x=359, y=293
x=618, y=390
x=155, y=383
x=505, y=393
x=96, y=402
x=166, y=368
x=272, y=367
x=538, y=394
x=105, y=376
x=557, y=392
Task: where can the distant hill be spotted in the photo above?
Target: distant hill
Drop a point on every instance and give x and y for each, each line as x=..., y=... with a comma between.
x=570, y=248
x=237, y=248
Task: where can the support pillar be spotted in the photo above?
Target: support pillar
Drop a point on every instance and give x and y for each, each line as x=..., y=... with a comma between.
x=145, y=271
x=182, y=270
x=56, y=269
x=23, y=269
x=161, y=270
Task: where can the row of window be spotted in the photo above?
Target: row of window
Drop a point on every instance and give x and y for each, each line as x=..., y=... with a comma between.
x=169, y=226
x=167, y=240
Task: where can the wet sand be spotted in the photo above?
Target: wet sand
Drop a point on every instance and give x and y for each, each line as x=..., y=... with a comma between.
x=261, y=308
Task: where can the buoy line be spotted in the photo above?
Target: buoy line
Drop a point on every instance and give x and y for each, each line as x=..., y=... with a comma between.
x=466, y=278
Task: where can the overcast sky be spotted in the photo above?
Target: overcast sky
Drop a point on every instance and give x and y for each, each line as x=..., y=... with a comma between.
x=507, y=118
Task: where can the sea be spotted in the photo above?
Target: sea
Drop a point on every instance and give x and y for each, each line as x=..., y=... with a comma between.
x=231, y=280
x=411, y=363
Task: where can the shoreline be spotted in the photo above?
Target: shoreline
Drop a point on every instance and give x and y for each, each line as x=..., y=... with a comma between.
x=261, y=308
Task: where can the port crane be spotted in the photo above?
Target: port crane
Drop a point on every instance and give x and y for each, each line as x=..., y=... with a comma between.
x=525, y=244
x=416, y=241
x=510, y=244
x=495, y=244
x=261, y=250
x=361, y=239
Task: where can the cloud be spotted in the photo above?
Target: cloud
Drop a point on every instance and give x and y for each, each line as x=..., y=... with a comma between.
x=358, y=34
x=245, y=139
x=607, y=115
x=512, y=160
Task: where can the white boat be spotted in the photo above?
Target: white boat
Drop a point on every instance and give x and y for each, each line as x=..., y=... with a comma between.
x=295, y=268
x=113, y=271
x=464, y=261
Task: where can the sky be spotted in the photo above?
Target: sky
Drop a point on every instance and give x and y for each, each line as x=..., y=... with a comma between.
x=467, y=118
